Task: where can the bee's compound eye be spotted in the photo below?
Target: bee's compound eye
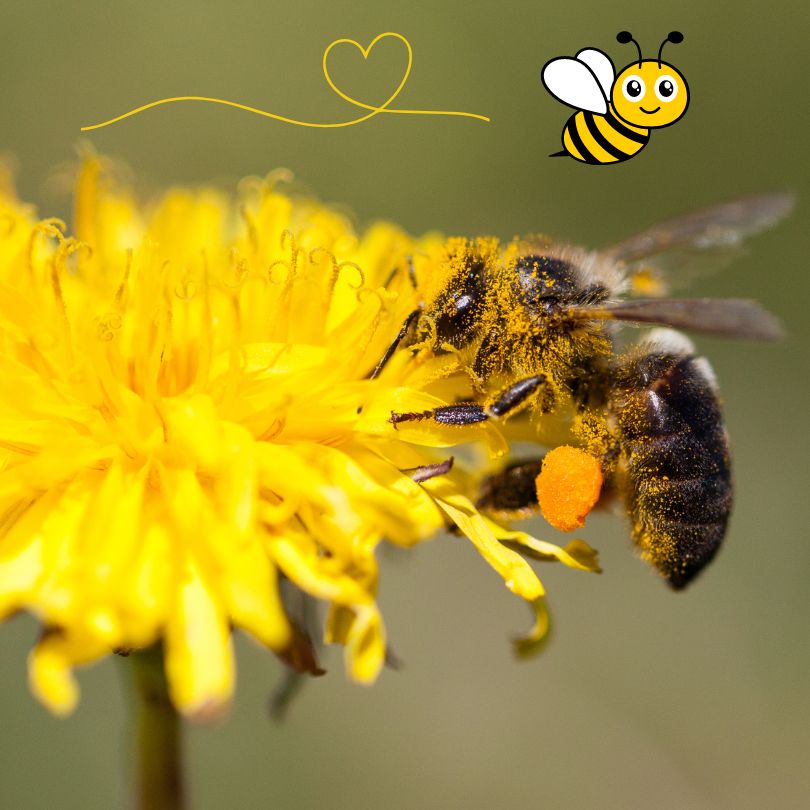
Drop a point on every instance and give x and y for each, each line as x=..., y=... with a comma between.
x=666, y=88
x=633, y=87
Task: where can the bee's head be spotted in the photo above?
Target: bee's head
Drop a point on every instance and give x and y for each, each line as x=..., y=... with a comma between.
x=549, y=285
x=650, y=93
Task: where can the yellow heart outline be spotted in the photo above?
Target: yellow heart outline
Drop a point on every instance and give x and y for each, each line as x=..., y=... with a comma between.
x=365, y=52
x=384, y=108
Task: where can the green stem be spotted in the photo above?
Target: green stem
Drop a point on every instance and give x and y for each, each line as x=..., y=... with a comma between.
x=159, y=755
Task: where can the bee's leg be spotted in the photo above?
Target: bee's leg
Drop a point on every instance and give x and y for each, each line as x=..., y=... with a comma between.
x=407, y=326
x=411, y=273
x=514, y=396
x=471, y=413
x=465, y=413
x=512, y=492
x=427, y=471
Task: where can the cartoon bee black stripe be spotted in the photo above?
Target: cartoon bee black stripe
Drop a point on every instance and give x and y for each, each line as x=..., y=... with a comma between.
x=631, y=134
x=574, y=145
x=534, y=328
x=615, y=113
x=602, y=141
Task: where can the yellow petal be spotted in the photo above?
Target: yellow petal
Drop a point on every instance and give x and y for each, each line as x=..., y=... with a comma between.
x=516, y=572
x=536, y=639
x=576, y=554
x=199, y=657
x=365, y=645
x=50, y=668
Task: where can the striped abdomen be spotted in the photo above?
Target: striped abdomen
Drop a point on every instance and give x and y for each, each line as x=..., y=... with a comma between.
x=678, y=477
x=594, y=138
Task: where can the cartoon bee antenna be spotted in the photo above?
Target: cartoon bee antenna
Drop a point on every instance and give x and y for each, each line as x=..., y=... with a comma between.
x=615, y=113
x=675, y=37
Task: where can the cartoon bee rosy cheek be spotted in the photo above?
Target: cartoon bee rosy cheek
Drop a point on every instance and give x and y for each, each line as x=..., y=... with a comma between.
x=615, y=114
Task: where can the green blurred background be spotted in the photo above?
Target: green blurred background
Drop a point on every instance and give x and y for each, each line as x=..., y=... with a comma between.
x=645, y=698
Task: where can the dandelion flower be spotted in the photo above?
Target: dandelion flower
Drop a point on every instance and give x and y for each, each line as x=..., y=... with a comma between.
x=187, y=416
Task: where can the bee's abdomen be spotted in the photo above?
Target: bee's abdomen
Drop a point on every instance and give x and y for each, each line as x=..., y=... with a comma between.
x=678, y=488
x=600, y=139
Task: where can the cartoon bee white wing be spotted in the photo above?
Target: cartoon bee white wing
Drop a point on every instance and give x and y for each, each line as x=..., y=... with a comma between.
x=601, y=66
x=575, y=83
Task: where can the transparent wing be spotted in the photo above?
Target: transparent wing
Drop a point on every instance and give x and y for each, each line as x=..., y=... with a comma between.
x=727, y=317
x=575, y=84
x=672, y=253
x=600, y=66
x=721, y=226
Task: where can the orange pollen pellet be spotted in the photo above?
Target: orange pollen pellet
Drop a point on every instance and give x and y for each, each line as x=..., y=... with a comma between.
x=568, y=487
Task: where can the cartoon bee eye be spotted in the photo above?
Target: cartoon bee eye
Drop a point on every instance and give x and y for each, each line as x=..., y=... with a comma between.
x=666, y=88
x=633, y=87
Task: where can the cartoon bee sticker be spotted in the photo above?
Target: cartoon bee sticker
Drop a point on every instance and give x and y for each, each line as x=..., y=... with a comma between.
x=615, y=115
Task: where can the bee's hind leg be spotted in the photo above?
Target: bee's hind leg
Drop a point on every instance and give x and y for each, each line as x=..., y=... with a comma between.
x=512, y=492
x=471, y=413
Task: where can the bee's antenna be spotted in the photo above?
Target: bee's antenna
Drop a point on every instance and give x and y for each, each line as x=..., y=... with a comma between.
x=625, y=36
x=673, y=36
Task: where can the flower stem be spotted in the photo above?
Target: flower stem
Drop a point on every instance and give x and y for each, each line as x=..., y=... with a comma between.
x=159, y=757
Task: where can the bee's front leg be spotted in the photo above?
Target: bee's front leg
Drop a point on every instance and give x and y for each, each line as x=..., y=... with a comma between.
x=407, y=326
x=471, y=413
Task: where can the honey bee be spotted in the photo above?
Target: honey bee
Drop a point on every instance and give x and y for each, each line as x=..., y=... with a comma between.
x=536, y=329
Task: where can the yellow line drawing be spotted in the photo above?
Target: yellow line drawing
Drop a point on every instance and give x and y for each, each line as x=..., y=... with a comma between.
x=373, y=110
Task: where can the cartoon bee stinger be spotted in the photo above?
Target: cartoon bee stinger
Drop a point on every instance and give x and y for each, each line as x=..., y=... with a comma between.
x=615, y=115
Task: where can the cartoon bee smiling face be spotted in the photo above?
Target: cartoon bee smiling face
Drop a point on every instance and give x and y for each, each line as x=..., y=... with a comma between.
x=615, y=113
x=650, y=93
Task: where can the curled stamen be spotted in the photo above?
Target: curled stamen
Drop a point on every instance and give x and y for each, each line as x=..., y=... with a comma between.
x=280, y=263
x=364, y=292
x=337, y=267
x=108, y=325
x=50, y=227
x=258, y=187
x=295, y=250
x=250, y=185
x=239, y=266
x=361, y=276
x=250, y=224
x=278, y=176
x=331, y=256
x=286, y=235
x=67, y=247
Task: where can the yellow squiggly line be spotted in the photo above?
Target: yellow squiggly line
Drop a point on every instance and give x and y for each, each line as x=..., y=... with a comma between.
x=373, y=110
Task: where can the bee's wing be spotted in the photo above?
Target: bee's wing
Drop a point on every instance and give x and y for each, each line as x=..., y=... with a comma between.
x=721, y=226
x=574, y=83
x=600, y=66
x=727, y=317
x=670, y=254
